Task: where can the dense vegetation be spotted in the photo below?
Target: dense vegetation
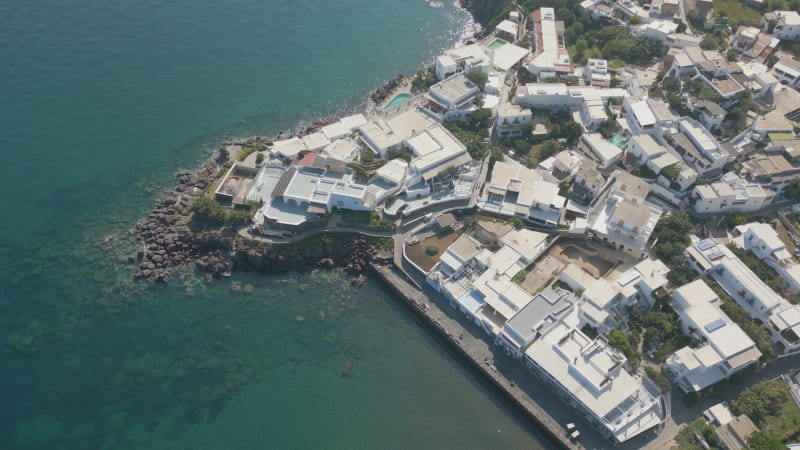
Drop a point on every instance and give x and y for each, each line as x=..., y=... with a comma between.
x=208, y=209
x=423, y=79
x=473, y=132
x=761, y=400
x=672, y=238
x=658, y=377
x=687, y=437
x=626, y=342
x=756, y=331
x=368, y=218
x=488, y=12
x=764, y=272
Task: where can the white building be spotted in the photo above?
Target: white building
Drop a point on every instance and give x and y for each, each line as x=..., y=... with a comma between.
x=588, y=180
x=510, y=120
x=744, y=39
x=642, y=148
x=774, y=171
x=781, y=318
x=507, y=30
x=549, y=57
x=606, y=153
x=289, y=148
x=726, y=349
x=782, y=24
x=731, y=194
x=523, y=328
x=343, y=127
x=559, y=95
x=507, y=56
x=515, y=190
x=622, y=218
x=787, y=71
x=462, y=59
x=388, y=180
x=592, y=377
x=711, y=114
x=658, y=30
x=640, y=283
x=710, y=258
x=596, y=73
x=646, y=116
x=528, y=243
x=435, y=150
x=451, y=98
x=343, y=149
x=699, y=148
x=767, y=246
x=384, y=134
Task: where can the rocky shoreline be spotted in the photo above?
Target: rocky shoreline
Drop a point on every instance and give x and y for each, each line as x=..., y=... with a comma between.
x=167, y=241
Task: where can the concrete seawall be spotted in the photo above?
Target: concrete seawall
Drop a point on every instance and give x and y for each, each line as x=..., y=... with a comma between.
x=458, y=341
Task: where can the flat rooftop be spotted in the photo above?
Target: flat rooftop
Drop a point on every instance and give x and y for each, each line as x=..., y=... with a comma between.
x=453, y=89
x=593, y=373
x=522, y=326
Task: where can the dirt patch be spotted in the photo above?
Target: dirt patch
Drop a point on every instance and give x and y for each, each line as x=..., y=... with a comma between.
x=541, y=275
x=416, y=252
x=586, y=257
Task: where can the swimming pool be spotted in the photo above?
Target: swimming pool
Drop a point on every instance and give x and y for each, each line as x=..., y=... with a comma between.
x=617, y=140
x=497, y=43
x=397, y=100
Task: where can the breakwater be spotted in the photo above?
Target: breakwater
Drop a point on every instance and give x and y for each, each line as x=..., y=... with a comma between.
x=473, y=353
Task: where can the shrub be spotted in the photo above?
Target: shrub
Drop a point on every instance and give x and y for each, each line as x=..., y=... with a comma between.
x=519, y=277
x=209, y=209
x=246, y=151
x=658, y=377
x=431, y=250
x=259, y=158
x=761, y=400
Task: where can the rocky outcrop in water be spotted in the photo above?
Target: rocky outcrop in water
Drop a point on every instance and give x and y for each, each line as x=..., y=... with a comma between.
x=382, y=92
x=167, y=242
x=319, y=251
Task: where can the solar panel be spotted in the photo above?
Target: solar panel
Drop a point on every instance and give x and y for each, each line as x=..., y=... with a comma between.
x=715, y=325
x=705, y=244
x=715, y=255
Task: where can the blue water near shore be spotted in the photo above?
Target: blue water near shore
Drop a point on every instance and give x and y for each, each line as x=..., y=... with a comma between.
x=100, y=103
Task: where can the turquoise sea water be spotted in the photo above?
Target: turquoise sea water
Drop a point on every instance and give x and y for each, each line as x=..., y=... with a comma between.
x=100, y=103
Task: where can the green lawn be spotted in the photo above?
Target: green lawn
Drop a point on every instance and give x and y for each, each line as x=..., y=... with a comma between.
x=737, y=12
x=686, y=439
x=787, y=425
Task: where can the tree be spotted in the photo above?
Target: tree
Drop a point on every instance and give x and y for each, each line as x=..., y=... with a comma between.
x=671, y=85
x=580, y=45
x=571, y=131
x=517, y=222
x=792, y=191
x=548, y=148
x=771, y=60
x=480, y=119
x=478, y=77
x=681, y=26
x=607, y=127
x=735, y=219
x=761, y=400
x=424, y=79
x=761, y=440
